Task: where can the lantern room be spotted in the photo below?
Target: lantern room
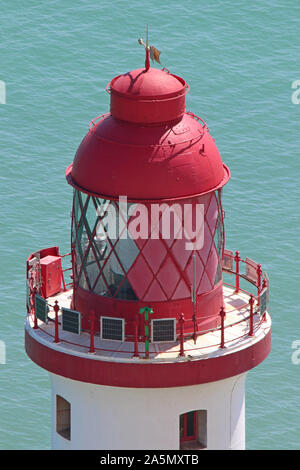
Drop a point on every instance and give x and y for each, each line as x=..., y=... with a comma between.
x=147, y=220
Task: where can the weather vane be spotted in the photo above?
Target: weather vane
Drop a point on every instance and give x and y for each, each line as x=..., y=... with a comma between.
x=154, y=53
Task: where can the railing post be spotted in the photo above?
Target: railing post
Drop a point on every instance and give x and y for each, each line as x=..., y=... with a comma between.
x=251, y=303
x=259, y=273
x=34, y=291
x=264, y=285
x=56, y=310
x=63, y=280
x=92, y=331
x=195, y=328
x=136, y=351
x=181, y=324
x=237, y=260
x=264, y=317
x=222, y=315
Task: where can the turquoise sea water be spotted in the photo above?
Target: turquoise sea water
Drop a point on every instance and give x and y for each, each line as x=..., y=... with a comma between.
x=240, y=59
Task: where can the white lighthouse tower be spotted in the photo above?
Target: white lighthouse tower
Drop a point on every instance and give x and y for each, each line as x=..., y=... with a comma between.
x=149, y=344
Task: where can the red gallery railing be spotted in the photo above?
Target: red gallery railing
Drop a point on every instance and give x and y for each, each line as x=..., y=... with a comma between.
x=257, y=308
x=68, y=284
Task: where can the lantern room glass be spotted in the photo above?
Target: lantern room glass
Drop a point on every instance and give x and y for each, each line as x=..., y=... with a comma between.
x=111, y=263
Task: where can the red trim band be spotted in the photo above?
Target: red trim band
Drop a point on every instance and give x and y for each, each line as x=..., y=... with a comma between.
x=71, y=182
x=148, y=374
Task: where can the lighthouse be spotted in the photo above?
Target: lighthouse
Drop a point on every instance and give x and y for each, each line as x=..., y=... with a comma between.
x=149, y=325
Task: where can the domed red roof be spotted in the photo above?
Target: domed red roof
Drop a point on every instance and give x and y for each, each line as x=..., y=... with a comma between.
x=147, y=96
x=148, y=147
x=169, y=161
x=142, y=83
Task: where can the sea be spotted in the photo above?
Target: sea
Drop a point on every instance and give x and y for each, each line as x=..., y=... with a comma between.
x=242, y=63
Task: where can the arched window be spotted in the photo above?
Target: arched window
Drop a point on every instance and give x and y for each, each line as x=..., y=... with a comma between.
x=63, y=417
x=193, y=430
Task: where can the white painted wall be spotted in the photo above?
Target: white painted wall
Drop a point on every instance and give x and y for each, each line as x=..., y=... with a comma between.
x=110, y=418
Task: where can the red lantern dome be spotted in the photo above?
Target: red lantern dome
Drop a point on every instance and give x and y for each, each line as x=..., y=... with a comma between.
x=148, y=147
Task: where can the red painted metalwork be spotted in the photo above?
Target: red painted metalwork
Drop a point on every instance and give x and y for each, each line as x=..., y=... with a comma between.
x=259, y=274
x=136, y=326
x=92, y=331
x=51, y=270
x=181, y=323
x=181, y=168
x=208, y=304
x=169, y=374
x=51, y=275
x=93, y=121
x=251, y=303
x=265, y=285
x=162, y=312
x=115, y=197
x=166, y=267
x=34, y=291
x=237, y=260
x=222, y=315
x=189, y=164
x=185, y=436
x=147, y=96
x=116, y=156
x=195, y=328
x=131, y=325
x=104, y=350
x=56, y=310
x=257, y=326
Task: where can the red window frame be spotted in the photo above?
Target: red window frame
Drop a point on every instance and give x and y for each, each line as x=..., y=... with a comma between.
x=193, y=437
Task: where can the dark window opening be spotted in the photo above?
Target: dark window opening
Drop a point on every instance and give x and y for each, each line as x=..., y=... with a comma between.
x=63, y=417
x=193, y=430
